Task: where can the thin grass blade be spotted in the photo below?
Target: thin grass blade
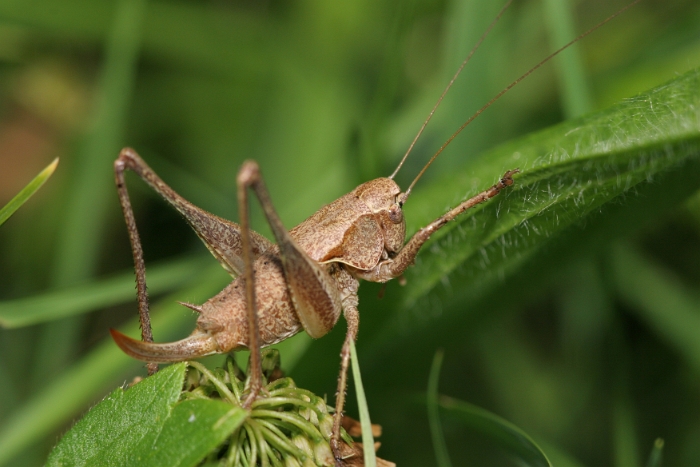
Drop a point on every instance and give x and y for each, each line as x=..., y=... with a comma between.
x=656, y=456
x=441, y=454
x=27, y=192
x=84, y=298
x=507, y=435
x=365, y=422
x=668, y=307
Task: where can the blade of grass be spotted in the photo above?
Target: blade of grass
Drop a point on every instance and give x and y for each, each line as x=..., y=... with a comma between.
x=186, y=35
x=586, y=311
x=83, y=224
x=442, y=456
x=624, y=433
x=27, y=192
x=501, y=431
x=83, y=298
x=656, y=456
x=365, y=422
x=668, y=308
x=558, y=456
x=574, y=89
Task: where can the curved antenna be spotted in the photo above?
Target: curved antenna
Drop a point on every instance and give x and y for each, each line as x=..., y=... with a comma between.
x=404, y=196
x=459, y=70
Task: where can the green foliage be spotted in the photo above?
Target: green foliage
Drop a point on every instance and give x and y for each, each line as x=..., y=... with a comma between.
x=568, y=173
x=176, y=418
x=564, y=306
x=148, y=426
x=507, y=436
x=510, y=438
x=84, y=298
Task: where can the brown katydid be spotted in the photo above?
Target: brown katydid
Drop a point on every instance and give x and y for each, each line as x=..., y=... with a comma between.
x=309, y=276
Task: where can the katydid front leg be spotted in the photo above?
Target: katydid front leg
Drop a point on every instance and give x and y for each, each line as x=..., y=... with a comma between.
x=395, y=267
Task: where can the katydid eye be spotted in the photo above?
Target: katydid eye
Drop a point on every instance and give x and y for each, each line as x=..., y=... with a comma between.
x=395, y=213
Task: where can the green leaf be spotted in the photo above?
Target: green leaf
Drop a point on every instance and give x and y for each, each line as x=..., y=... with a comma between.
x=569, y=174
x=27, y=192
x=192, y=431
x=85, y=380
x=125, y=419
x=507, y=435
x=146, y=426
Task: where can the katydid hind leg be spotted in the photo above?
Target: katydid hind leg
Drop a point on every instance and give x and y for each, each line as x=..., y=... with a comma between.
x=222, y=237
x=137, y=252
x=255, y=366
x=313, y=291
x=315, y=294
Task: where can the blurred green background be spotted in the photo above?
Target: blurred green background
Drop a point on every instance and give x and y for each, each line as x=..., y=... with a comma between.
x=326, y=95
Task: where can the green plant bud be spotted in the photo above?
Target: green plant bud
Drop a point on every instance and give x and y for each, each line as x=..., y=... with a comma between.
x=302, y=442
x=325, y=425
x=323, y=454
x=281, y=383
x=308, y=413
x=291, y=461
x=321, y=405
x=197, y=393
x=220, y=374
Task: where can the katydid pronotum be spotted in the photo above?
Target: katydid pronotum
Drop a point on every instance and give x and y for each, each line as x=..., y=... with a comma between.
x=306, y=279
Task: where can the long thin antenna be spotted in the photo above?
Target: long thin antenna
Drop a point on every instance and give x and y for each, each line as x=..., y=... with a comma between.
x=404, y=196
x=459, y=70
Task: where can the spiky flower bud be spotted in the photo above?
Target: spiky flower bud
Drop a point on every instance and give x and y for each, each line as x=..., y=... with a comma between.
x=282, y=418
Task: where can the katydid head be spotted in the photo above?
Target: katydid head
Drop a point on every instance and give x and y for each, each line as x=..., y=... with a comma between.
x=382, y=197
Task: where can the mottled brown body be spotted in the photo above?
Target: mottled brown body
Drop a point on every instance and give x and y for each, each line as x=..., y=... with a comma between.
x=224, y=315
